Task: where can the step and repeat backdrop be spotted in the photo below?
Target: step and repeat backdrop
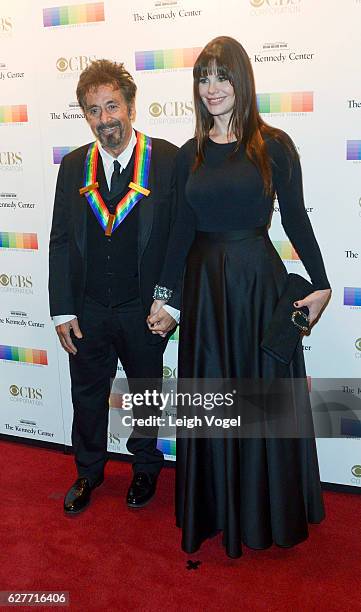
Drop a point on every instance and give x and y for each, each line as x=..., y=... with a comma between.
x=307, y=64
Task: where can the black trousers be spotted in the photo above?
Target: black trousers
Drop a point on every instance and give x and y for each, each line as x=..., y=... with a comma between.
x=109, y=333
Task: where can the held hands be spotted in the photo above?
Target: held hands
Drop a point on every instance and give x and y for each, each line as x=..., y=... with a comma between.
x=159, y=320
x=63, y=332
x=316, y=302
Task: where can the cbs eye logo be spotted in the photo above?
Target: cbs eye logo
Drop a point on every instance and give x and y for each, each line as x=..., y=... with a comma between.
x=358, y=344
x=169, y=373
x=356, y=470
x=273, y=3
x=4, y=280
x=62, y=64
x=14, y=390
x=155, y=109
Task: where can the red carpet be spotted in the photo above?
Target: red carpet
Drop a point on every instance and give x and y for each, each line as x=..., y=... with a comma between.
x=111, y=558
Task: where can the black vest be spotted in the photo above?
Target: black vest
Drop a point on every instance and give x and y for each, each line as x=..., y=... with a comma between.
x=112, y=262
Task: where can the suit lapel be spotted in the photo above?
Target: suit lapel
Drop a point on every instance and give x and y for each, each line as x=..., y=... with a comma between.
x=80, y=208
x=146, y=214
x=103, y=185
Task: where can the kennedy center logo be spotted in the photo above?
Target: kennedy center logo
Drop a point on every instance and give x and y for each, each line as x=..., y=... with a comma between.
x=164, y=10
x=6, y=73
x=280, y=52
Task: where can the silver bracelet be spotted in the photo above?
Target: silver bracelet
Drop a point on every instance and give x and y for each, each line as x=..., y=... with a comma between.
x=162, y=293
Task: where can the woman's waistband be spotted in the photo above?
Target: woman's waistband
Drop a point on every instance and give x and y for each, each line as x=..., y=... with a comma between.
x=241, y=234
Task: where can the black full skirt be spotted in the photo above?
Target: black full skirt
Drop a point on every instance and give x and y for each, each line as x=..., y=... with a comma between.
x=258, y=491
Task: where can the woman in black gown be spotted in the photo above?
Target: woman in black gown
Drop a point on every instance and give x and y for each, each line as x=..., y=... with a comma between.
x=257, y=491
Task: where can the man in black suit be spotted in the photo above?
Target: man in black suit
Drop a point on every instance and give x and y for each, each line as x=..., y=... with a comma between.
x=107, y=245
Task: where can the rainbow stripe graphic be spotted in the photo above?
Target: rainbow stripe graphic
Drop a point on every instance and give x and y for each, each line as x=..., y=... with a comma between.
x=352, y=296
x=166, y=58
x=116, y=400
x=59, y=152
x=23, y=355
x=168, y=447
x=14, y=114
x=354, y=149
x=291, y=102
x=15, y=240
x=285, y=250
x=72, y=14
x=175, y=335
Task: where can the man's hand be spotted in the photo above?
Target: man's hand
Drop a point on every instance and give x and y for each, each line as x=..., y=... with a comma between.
x=63, y=332
x=160, y=321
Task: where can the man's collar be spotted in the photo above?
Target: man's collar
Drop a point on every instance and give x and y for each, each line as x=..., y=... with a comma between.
x=123, y=158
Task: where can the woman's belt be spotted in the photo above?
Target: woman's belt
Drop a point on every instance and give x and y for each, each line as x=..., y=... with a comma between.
x=241, y=234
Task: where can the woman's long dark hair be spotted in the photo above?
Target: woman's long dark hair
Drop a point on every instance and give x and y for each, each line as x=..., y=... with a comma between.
x=225, y=56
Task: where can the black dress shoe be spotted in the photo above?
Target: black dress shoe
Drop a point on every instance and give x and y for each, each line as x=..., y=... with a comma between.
x=141, y=490
x=78, y=496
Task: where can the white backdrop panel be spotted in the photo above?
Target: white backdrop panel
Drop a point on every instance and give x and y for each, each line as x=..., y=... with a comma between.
x=294, y=46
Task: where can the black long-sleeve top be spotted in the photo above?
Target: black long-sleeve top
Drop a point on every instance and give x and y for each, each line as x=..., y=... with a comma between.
x=226, y=193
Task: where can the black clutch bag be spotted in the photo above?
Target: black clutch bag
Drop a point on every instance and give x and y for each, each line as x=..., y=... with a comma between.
x=288, y=322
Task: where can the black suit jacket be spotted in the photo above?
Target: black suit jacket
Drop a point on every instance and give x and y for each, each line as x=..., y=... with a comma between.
x=67, y=250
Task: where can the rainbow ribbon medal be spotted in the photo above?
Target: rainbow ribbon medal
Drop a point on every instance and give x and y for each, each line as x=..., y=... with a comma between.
x=138, y=186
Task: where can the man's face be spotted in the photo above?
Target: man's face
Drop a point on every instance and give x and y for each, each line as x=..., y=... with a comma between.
x=109, y=117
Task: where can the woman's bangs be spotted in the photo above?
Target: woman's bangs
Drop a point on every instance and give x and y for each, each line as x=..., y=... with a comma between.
x=207, y=65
